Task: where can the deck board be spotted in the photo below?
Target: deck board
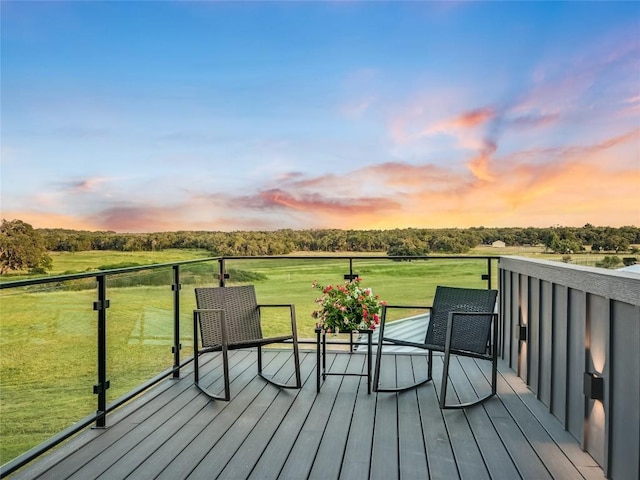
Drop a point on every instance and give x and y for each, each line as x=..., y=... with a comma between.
x=412, y=460
x=336, y=434
x=174, y=432
x=357, y=454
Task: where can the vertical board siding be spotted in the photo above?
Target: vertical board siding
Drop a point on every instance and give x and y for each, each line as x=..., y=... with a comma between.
x=515, y=315
x=559, y=353
x=546, y=342
x=533, y=329
x=507, y=329
x=576, y=363
x=523, y=317
x=625, y=385
x=579, y=319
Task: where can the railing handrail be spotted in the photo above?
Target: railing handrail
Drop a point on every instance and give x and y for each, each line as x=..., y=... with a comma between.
x=94, y=273
x=623, y=286
x=138, y=268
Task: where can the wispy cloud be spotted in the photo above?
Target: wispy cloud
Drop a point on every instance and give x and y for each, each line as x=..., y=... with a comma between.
x=82, y=185
x=316, y=202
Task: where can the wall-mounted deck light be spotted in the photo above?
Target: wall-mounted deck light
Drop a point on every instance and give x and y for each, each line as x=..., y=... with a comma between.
x=522, y=332
x=593, y=386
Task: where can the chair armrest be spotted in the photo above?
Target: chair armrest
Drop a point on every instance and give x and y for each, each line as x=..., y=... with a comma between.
x=383, y=321
x=383, y=315
x=424, y=307
x=290, y=306
x=292, y=314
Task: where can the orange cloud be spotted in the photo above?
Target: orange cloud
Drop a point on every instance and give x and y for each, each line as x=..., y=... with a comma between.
x=473, y=118
x=400, y=175
x=480, y=165
x=40, y=219
x=277, y=198
x=570, y=185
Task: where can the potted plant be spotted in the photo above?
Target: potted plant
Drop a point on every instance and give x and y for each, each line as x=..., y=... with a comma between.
x=348, y=307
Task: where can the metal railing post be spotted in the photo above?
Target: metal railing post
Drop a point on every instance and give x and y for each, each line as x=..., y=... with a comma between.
x=177, y=346
x=487, y=276
x=100, y=389
x=222, y=275
x=351, y=276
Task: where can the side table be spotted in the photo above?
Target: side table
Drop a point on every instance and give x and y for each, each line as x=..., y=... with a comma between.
x=321, y=356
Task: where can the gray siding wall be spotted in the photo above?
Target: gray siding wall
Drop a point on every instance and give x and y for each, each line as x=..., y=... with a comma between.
x=579, y=319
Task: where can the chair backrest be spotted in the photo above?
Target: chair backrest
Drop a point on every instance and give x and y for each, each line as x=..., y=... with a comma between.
x=470, y=333
x=242, y=316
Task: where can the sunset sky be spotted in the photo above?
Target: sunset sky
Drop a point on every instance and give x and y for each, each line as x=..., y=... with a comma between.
x=177, y=115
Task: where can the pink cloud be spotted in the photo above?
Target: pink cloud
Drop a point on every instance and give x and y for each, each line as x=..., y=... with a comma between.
x=473, y=118
x=277, y=198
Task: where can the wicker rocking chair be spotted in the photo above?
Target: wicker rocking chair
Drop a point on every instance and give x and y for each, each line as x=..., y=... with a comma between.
x=228, y=318
x=461, y=322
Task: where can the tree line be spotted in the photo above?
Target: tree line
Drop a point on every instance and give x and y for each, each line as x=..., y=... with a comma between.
x=407, y=241
x=23, y=247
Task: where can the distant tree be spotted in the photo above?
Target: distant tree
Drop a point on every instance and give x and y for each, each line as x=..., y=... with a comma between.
x=609, y=262
x=408, y=247
x=563, y=241
x=22, y=247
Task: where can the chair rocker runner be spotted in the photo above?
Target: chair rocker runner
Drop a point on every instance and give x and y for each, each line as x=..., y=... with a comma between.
x=462, y=321
x=228, y=318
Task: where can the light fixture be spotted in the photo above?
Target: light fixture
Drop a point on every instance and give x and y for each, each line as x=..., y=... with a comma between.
x=593, y=386
x=522, y=332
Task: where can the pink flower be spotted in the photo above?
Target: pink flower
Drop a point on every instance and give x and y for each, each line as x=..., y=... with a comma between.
x=344, y=307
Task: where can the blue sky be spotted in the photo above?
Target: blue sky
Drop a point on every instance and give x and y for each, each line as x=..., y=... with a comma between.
x=174, y=115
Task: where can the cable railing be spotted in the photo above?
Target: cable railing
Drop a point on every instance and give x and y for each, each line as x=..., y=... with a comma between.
x=72, y=343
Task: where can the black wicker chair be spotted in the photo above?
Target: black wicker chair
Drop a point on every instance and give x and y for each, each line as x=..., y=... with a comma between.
x=228, y=318
x=462, y=321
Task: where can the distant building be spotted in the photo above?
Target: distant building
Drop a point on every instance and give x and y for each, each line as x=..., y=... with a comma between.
x=498, y=244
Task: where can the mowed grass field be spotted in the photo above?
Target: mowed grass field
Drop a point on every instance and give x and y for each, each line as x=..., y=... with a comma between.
x=48, y=349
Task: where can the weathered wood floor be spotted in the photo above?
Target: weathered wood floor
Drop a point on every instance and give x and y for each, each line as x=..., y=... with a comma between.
x=175, y=432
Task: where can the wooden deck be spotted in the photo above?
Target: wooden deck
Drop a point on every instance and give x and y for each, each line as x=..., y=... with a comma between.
x=174, y=432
